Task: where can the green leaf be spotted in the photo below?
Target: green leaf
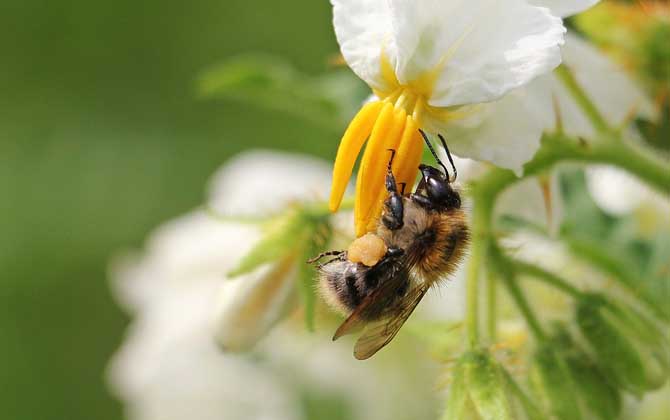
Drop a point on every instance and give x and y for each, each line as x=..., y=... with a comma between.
x=551, y=381
x=271, y=82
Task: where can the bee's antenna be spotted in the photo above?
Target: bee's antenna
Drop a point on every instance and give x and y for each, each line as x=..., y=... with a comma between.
x=432, y=151
x=444, y=144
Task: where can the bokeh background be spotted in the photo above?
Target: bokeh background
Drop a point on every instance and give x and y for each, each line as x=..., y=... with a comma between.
x=103, y=137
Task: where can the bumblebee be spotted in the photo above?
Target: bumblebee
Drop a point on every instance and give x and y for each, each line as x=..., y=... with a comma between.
x=420, y=239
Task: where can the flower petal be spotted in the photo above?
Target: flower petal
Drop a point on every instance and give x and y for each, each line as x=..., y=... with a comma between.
x=565, y=8
x=479, y=50
x=612, y=91
x=362, y=29
x=505, y=132
x=259, y=182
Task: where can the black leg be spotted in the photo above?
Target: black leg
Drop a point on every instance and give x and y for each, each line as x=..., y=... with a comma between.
x=325, y=254
x=393, y=206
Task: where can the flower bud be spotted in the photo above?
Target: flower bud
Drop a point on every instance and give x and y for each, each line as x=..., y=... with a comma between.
x=250, y=305
x=551, y=382
x=630, y=349
x=596, y=393
x=264, y=284
x=478, y=387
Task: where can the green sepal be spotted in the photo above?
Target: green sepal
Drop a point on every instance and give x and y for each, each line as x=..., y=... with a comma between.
x=458, y=394
x=319, y=234
x=551, y=382
x=279, y=238
x=616, y=355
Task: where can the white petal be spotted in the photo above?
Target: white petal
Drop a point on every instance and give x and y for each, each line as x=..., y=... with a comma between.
x=487, y=47
x=506, y=132
x=608, y=86
x=260, y=182
x=565, y=8
x=178, y=255
x=249, y=306
x=362, y=29
x=169, y=368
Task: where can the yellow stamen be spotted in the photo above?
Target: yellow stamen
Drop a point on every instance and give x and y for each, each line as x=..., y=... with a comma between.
x=391, y=123
x=358, y=131
x=405, y=164
x=385, y=135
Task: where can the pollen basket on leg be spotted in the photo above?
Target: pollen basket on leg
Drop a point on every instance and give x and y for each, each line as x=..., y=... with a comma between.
x=352, y=141
x=370, y=182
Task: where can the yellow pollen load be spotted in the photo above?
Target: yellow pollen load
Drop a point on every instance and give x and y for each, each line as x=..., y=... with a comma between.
x=391, y=123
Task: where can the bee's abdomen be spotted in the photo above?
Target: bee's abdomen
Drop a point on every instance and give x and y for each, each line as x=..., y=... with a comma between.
x=345, y=284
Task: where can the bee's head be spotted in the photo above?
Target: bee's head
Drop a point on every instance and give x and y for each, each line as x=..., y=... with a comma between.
x=437, y=189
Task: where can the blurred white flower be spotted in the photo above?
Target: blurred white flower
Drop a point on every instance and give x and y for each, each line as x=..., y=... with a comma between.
x=430, y=63
x=170, y=367
x=618, y=193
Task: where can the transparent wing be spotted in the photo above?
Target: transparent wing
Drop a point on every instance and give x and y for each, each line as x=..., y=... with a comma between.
x=392, y=275
x=379, y=333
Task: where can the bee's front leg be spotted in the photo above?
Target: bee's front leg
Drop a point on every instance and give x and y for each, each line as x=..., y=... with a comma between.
x=393, y=206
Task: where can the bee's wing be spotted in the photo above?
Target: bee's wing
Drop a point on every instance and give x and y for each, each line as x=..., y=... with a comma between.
x=394, y=274
x=379, y=333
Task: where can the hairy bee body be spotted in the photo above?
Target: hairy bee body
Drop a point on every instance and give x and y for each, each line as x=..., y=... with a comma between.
x=429, y=247
x=434, y=241
x=344, y=284
x=425, y=236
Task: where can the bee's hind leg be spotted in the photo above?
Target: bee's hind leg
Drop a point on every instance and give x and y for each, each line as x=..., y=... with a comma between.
x=393, y=206
x=338, y=254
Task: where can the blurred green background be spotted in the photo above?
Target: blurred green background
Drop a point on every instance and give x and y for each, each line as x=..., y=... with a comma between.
x=102, y=138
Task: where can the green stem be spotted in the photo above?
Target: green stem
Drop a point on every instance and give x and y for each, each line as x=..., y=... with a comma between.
x=491, y=298
x=481, y=214
x=607, y=150
x=507, y=274
x=565, y=75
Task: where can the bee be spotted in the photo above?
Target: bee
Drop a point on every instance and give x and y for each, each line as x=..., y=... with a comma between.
x=420, y=239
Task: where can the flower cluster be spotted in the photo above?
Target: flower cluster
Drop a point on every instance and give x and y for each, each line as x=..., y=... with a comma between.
x=515, y=94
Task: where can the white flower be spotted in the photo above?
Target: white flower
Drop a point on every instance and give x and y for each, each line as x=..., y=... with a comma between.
x=516, y=122
x=618, y=193
x=428, y=62
x=170, y=366
x=256, y=184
